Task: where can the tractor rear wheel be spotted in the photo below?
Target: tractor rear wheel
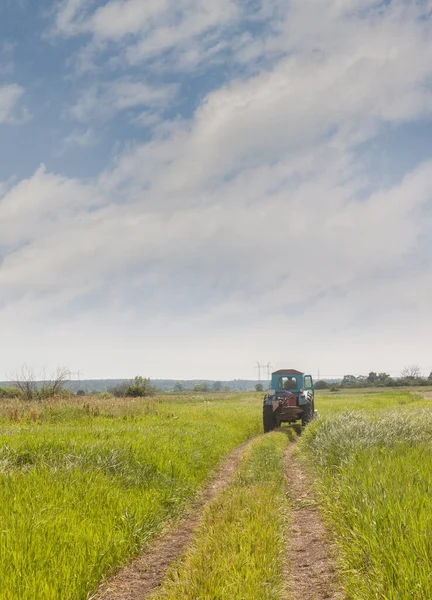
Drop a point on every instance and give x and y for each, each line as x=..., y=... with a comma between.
x=307, y=415
x=269, y=419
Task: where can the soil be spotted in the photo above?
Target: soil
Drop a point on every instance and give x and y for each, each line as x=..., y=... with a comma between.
x=144, y=575
x=310, y=568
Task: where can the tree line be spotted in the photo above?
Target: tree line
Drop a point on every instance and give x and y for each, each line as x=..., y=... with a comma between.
x=410, y=376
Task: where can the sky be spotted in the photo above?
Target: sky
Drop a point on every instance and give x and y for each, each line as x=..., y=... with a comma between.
x=188, y=187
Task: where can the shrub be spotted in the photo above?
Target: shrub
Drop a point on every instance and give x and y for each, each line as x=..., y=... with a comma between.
x=9, y=392
x=201, y=387
x=139, y=387
x=120, y=391
x=321, y=385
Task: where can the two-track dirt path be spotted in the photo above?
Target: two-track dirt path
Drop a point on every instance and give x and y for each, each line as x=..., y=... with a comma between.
x=310, y=569
x=144, y=575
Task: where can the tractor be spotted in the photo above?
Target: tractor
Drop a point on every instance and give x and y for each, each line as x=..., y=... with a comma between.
x=290, y=399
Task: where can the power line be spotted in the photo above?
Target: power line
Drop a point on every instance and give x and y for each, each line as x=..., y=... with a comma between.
x=267, y=367
x=259, y=372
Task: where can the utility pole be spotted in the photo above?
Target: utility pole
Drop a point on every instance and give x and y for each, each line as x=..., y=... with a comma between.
x=267, y=367
x=268, y=373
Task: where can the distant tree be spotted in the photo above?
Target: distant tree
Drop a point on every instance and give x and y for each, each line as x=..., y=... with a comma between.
x=217, y=386
x=120, y=390
x=349, y=381
x=430, y=376
x=321, y=385
x=411, y=372
x=32, y=389
x=201, y=387
x=139, y=388
x=383, y=376
x=259, y=387
x=372, y=377
x=383, y=380
x=26, y=382
x=179, y=387
x=80, y=393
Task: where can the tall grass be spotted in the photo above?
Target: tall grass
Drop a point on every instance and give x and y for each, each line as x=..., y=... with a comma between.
x=331, y=403
x=238, y=551
x=84, y=486
x=375, y=483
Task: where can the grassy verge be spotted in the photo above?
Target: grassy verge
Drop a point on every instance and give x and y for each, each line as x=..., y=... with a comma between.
x=238, y=549
x=84, y=486
x=375, y=483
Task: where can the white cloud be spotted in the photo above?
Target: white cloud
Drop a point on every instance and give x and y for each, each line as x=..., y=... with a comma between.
x=104, y=100
x=10, y=95
x=148, y=28
x=41, y=205
x=251, y=230
x=68, y=15
x=117, y=19
x=6, y=58
x=82, y=138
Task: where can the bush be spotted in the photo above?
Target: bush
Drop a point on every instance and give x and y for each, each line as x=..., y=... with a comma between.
x=321, y=385
x=120, y=391
x=32, y=389
x=201, y=387
x=139, y=387
x=9, y=392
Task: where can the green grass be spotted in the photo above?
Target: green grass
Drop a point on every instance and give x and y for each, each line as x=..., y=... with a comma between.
x=374, y=473
x=84, y=485
x=239, y=549
x=328, y=404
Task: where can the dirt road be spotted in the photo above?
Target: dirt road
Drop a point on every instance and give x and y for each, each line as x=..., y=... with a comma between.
x=310, y=568
x=145, y=574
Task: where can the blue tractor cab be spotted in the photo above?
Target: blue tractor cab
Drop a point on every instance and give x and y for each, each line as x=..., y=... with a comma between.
x=290, y=399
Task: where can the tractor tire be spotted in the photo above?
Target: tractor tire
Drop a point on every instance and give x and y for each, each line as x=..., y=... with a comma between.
x=308, y=413
x=269, y=419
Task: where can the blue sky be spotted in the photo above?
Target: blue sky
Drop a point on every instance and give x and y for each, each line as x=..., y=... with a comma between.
x=188, y=187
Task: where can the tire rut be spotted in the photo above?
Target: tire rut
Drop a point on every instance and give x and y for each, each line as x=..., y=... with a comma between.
x=144, y=575
x=310, y=568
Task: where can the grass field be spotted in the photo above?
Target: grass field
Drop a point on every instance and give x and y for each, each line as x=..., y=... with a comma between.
x=374, y=470
x=84, y=486
x=239, y=549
